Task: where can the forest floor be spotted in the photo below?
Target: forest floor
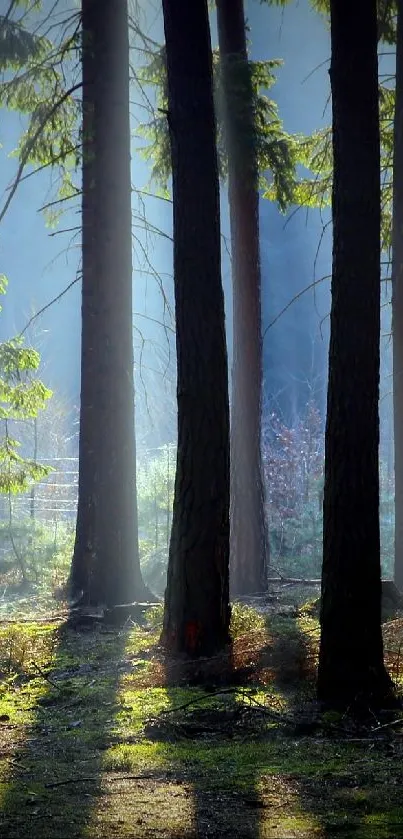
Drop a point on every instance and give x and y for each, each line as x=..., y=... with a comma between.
x=102, y=736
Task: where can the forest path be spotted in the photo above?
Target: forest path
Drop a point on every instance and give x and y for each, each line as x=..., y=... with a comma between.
x=102, y=736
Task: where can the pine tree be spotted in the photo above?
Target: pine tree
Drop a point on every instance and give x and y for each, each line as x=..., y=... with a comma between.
x=351, y=669
x=106, y=566
x=249, y=540
x=197, y=613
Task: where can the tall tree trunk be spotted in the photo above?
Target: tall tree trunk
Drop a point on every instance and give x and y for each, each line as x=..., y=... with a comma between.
x=248, y=540
x=197, y=613
x=351, y=668
x=397, y=298
x=106, y=564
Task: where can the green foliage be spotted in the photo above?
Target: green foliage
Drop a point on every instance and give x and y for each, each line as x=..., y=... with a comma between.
x=17, y=46
x=387, y=12
x=315, y=155
x=312, y=153
x=45, y=553
x=269, y=144
x=17, y=473
x=3, y=285
x=157, y=152
x=245, y=619
x=21, y=397
x=155, y=492
x=34, y=84
x=386, y=118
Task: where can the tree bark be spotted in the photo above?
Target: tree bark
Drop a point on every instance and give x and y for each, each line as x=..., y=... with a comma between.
x=397, y=298
x=105, y=567
x=351, y=668
x=248, y=539
x=197, y=613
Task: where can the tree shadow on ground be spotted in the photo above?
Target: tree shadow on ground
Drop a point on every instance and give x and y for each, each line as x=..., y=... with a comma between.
x=206, y=736
x=59, y=707
x=260, y=758
x=346, y=775
x=111, y=737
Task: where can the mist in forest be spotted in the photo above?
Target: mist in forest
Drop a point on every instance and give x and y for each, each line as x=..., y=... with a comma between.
x=201, y=414
x=295, y=248
x=41, y=259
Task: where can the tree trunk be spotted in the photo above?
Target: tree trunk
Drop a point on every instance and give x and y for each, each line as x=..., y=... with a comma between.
x=351, y=668
x=197, y=613
x=106, y=565
x=397, y=298
x=248, y=540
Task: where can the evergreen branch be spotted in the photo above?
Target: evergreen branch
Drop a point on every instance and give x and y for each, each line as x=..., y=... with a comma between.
x=5, y=18
x=30, y=145
x=59, y=201
x=51, y=162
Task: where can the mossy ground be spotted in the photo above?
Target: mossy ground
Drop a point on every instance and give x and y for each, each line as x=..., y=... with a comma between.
x=101, y=736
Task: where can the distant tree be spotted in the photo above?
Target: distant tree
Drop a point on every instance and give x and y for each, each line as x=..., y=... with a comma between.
x=397, y=298
x=106, y=567
x=197, y=612
x=249, y=545
x=351, y=668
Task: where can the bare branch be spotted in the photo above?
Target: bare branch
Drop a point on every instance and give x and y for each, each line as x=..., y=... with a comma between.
x=293, y=300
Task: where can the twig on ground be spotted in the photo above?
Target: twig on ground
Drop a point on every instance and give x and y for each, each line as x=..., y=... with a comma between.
x=45, y=676
x=147, y=776
x=204, y=698
x=53, y=619
x=390, y=724
x=282, y=719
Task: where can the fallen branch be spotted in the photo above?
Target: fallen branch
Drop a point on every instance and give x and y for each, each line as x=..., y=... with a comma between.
x=97, y=778
x=281, y=718
x=294, y=581
x=54, y=619
x=204, y=698
x=391, y=724
x=279, y=580
x=45, y=676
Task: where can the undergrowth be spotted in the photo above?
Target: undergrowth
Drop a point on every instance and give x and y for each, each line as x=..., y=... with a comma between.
x=100, y=735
